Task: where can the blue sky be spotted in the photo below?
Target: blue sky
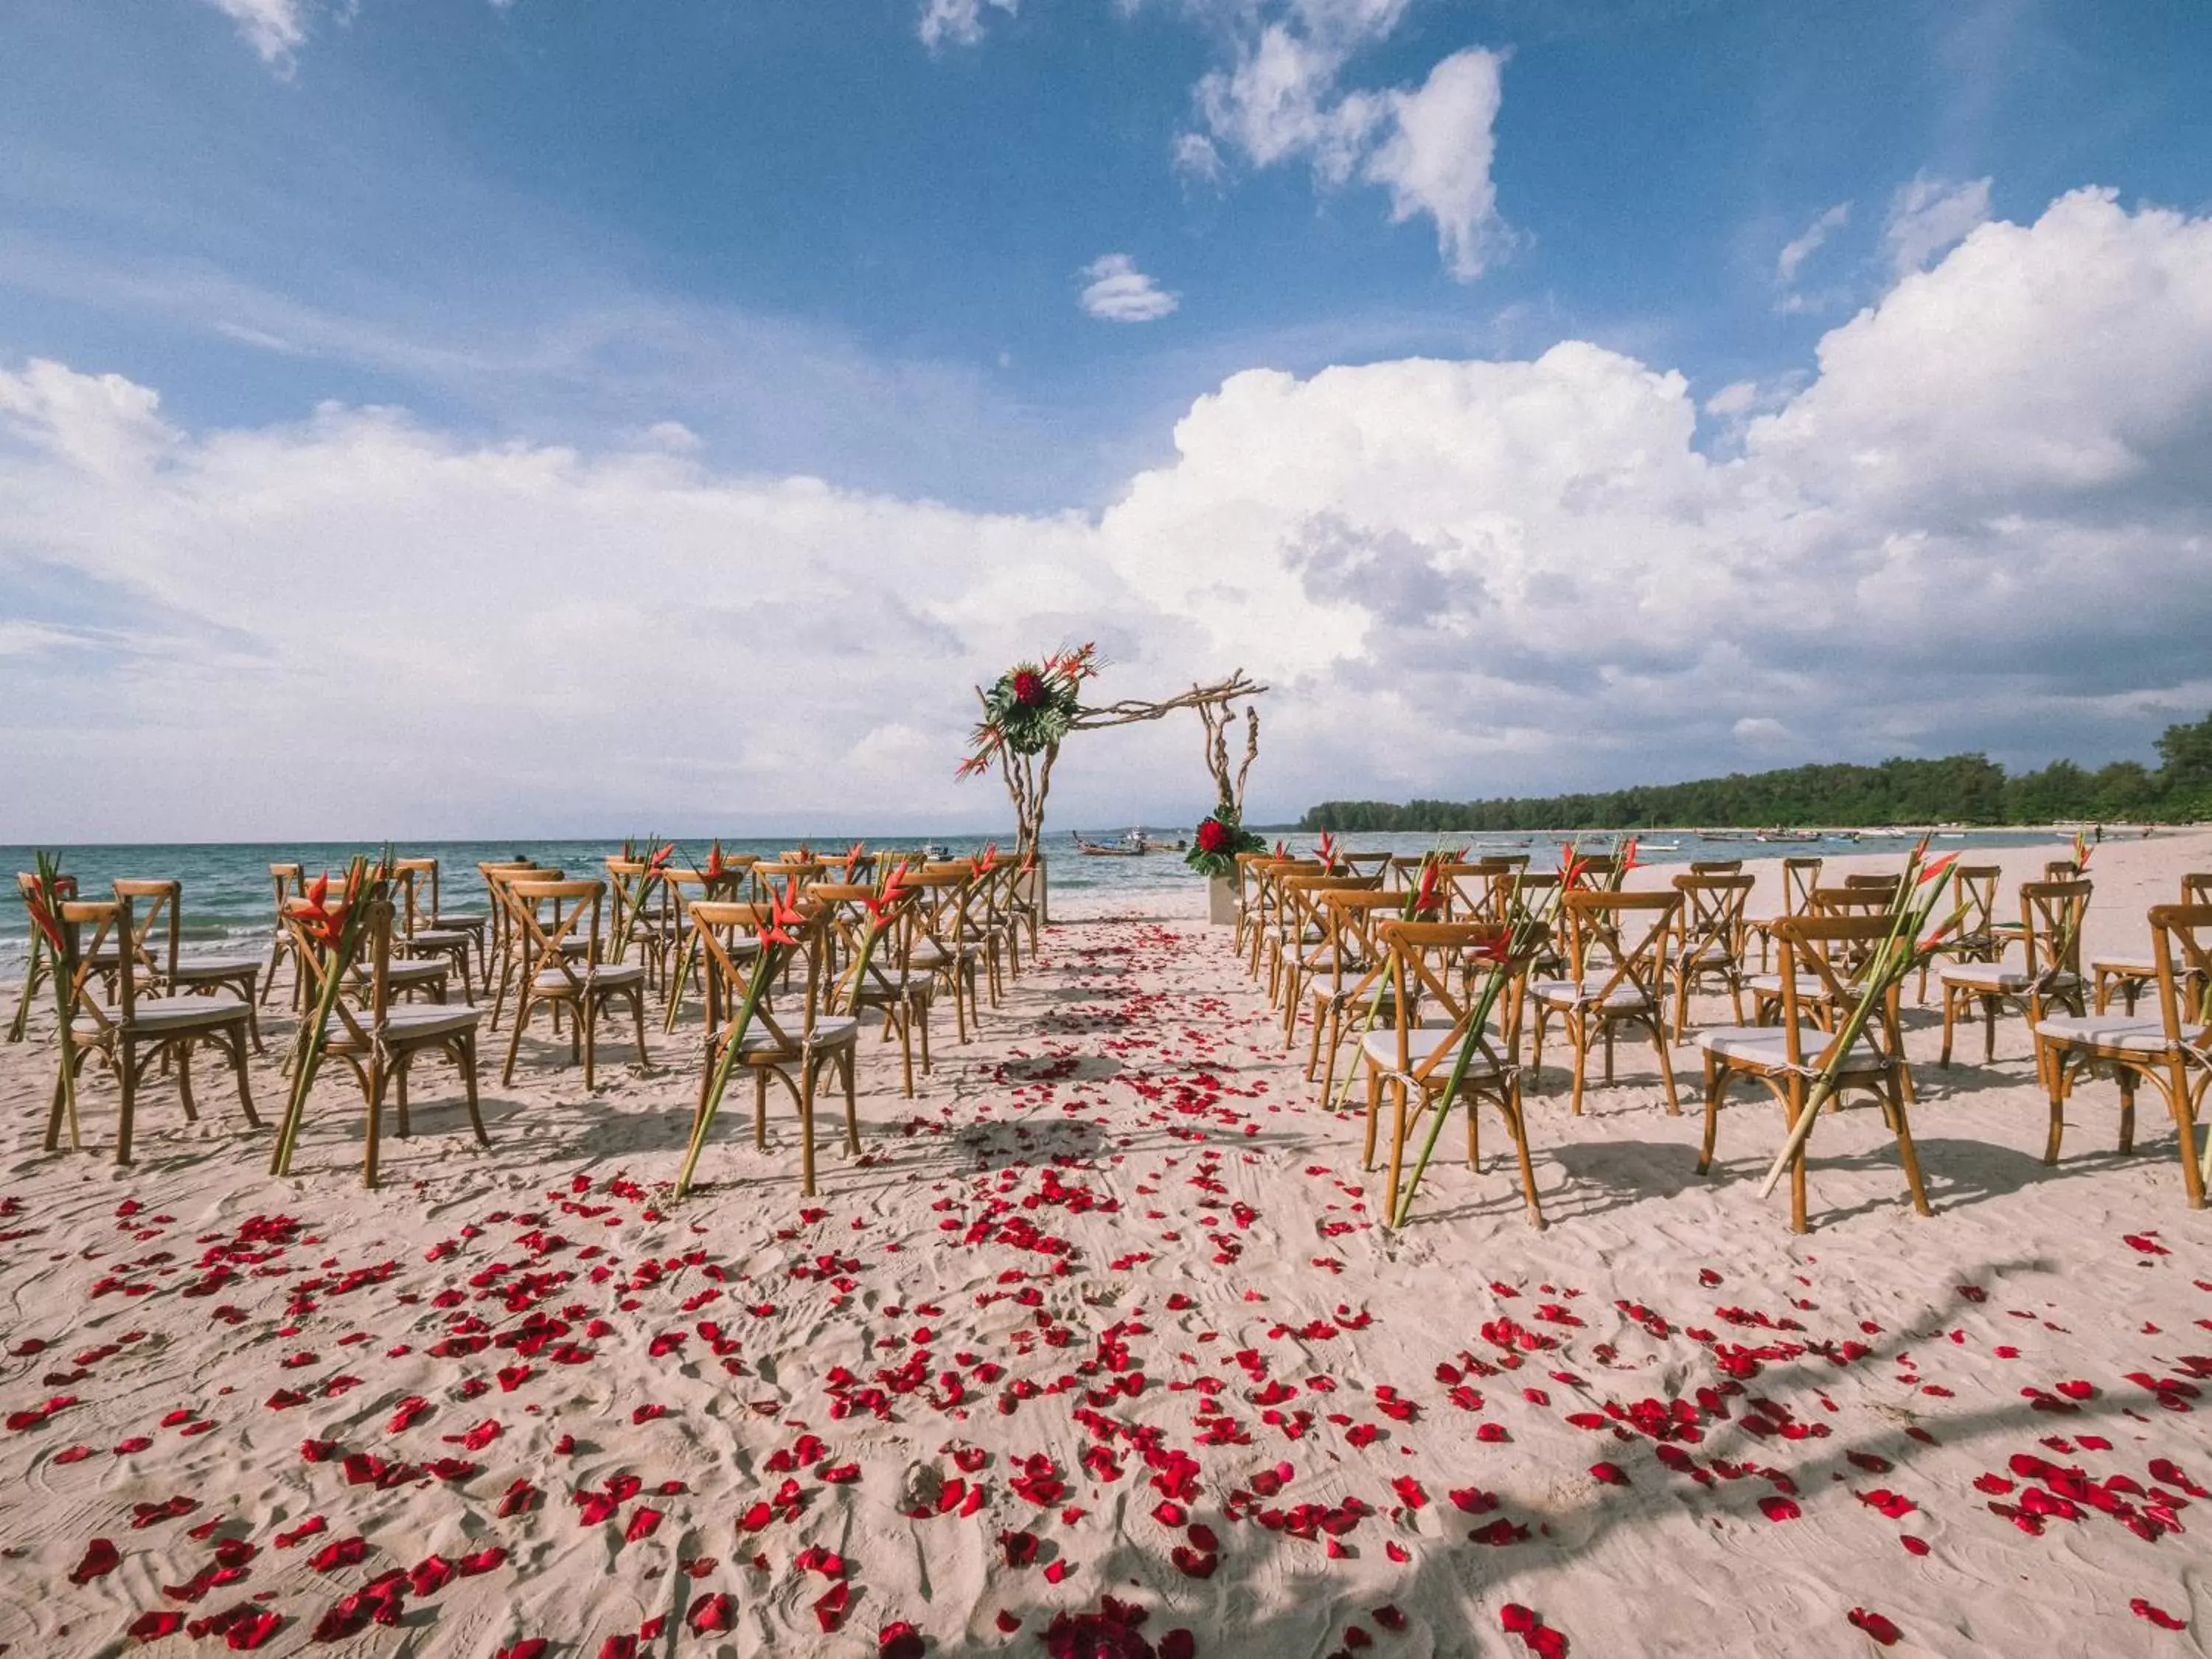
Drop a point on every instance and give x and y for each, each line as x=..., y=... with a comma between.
x=852, y=242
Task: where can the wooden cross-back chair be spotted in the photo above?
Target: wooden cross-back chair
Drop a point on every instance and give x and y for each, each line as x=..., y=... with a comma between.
x=2172, y=1053
x=377, y=1038
x=687, y=885
x=131, y=1033
x=1257, y=922
x=1709, y=939
x=507, y=941
x=1434, y=1000
x=1800, y=876
x=1973, y=895
x=40, y=961
x=1618, y=947
x=1002, y=918
x=643, y=916
x=1354, y=972
x=2128, y=977
x=560, y=978
x=1593, y=869
x=889, y=983
x=286, y=881
x=955, y=942
x=424, y=933
x=1298, y=945
x=1366, y=864
x=790, y=1039
x=2050, y=917
x=1787, y=1058
x=157, y=943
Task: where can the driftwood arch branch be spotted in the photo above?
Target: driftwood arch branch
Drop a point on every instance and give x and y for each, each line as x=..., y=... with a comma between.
x=1035, y=707
x=1216, y=706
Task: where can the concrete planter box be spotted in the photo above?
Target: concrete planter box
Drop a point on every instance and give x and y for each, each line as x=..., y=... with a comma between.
x=1221, y=901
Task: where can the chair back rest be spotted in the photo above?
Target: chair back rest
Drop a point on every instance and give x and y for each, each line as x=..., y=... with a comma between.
x=1715, y=867
x=2196, y=887
x=1874, y=882
x=421, y=877
x=1592, y=869
x=2181, y=945
x=1350, y=916
x=1438, y=973
x=726, y=928
x=285, y=879
x=1800, y=876
x=1975, y=887
x=1624, y=935
x=1848, y=901
x=547, y=910
x=110, y=920
x=164, y=901
x=2051, y=914
x=2061, y=870
x=368, y=970
x=1712, y=911
x=1831, y=954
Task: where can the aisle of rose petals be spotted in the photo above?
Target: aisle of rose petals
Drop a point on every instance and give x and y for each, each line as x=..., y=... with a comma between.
x=1099, y=1350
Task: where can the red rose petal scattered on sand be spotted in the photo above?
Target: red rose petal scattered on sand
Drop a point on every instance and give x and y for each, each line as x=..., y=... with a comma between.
x=712, y=1613
x=1776, y=1508
x=1874, y=1626
x=2158, y=1616
x=101, y=1559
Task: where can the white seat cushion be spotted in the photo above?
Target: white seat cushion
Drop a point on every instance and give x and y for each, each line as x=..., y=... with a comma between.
x=399, y=971
x=1768, y=1045
x=831, y=1031
x=1380, y=1049
x=927, y=955
x=2113, y=1031
x=217, y=966
x=1571, y=993
x=603, y=975
x=1993, y=977
x=439, y=938
x=415, y=1019
x=165, y=1015
x=2129, y=967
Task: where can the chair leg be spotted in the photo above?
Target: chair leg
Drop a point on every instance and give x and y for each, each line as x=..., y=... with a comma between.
x=588, y=1009
x=904, y=1020
x=1950, y=1016
x=1517, y=1122
x=637, y=1008
x=1666, y=1068
x=465, y=1052
x=1579, y=1039
x=760, y=1108
x=1798, y=1102
x=372, y=1137
x=846, y=1058
x=245, y=1088
x=2184, y=1125
x=183, y=1052
x=806, y=1130
x=1989, y=1030
x=127, y=1073
x=252, y=1011
x=1715, y=1085
x=2057, y=1088
x=1374, y=1107
x=2127, y=1109
x=1906, y=1155
x=399, y=1095
x=514, y=1038
x=1399, y=1091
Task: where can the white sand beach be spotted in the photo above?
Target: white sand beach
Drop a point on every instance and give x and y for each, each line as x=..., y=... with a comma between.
x=1102, y=1327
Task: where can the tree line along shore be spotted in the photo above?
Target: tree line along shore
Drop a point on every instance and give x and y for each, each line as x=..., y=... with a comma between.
x=1970, y=789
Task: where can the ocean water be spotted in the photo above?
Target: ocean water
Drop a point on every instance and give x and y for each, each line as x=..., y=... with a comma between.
x=228, y=904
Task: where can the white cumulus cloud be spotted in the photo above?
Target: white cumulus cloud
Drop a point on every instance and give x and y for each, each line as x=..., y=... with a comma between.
x=1460, y=576
x=957, y=22
x=1929, y=216
x=275, y=28
x=1436, y=159
x=1117, y=292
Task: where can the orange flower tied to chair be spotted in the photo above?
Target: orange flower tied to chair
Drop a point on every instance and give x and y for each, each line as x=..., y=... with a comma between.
x=776, y=944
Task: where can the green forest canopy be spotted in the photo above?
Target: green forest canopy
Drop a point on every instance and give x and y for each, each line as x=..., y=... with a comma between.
x=1957, y=789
